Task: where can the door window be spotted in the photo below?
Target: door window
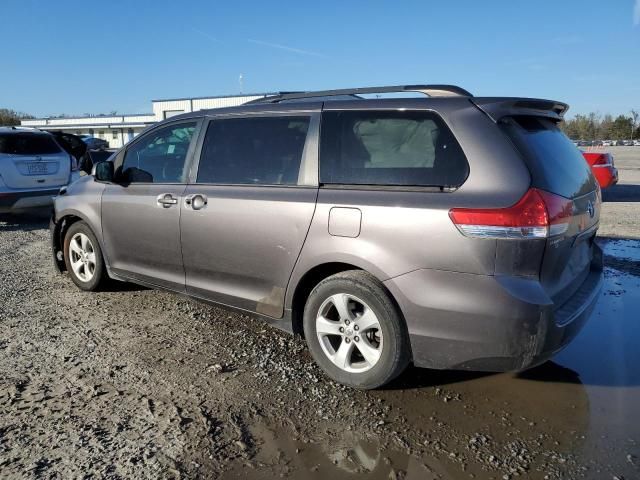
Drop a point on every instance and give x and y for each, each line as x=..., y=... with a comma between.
x=253, y=151
x=159, y=157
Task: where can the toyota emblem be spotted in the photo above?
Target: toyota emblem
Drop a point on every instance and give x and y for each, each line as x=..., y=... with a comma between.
x=590, y=209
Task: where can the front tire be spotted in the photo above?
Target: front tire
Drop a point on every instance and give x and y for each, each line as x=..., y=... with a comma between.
x=83, y=257
x=354, y=330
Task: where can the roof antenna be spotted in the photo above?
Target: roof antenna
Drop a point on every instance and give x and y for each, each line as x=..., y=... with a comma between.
x=240, y=81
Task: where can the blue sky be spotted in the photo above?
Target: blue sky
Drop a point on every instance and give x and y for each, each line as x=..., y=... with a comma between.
x=82, y=56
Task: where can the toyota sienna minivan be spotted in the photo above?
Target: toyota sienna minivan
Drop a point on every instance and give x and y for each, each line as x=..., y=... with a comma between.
x=448, y=231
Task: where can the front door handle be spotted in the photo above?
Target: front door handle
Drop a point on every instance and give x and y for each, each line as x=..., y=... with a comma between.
x=166, y=200
x=197, y=201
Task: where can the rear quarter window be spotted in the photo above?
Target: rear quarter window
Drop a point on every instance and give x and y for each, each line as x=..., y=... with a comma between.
x=555, y=163
x=27, y=144
x=390, y=148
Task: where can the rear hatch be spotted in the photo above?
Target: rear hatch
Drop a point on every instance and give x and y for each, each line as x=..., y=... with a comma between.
x=558, y=167
x=32, y=160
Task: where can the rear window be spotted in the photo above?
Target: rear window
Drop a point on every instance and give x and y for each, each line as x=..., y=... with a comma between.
x=391, y=148
x=27, y=144
x=555, y=163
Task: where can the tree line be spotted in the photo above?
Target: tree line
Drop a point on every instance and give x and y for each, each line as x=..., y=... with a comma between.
x=10, y=117
x=594, y=126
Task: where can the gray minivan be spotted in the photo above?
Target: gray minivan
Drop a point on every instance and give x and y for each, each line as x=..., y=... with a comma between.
x=450, y=231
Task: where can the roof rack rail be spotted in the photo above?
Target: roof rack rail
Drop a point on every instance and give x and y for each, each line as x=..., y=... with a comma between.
x=430, y=90
x=21, y=127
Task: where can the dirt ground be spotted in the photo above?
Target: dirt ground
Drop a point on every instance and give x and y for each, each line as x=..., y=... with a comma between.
x=136, y=383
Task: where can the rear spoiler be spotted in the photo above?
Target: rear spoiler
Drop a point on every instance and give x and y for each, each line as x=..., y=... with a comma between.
x=498, y=107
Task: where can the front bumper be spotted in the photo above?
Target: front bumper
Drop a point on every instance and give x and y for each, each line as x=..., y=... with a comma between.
x=489, y=323
x=17, y=200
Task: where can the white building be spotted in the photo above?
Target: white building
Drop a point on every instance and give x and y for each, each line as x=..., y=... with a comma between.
x=119, y=129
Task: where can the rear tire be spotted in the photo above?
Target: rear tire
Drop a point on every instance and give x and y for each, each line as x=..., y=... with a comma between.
x=83, y=257
x=354, y=330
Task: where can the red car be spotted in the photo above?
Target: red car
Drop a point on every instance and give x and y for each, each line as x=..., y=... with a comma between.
x=602, y=167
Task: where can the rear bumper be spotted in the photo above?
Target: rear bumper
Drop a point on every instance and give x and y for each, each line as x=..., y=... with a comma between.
x=489, y=323
x=17, y=200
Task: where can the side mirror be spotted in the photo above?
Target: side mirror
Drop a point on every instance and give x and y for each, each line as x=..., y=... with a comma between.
x=103, y=171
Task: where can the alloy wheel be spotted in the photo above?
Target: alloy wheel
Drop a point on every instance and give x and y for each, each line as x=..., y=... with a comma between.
x=349, y=333
x=82, y=257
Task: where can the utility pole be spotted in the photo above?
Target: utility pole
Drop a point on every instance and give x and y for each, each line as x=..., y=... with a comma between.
x=634, y=121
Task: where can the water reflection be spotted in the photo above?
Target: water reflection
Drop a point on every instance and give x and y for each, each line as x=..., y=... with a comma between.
x=606, y=352
x=348, y=455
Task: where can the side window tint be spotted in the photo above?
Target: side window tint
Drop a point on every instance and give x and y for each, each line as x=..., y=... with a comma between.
x=160, y=156
x=389, y=148
x=253, y=151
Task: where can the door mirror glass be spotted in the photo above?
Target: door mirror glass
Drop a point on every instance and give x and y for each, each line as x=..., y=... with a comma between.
x=103, y=171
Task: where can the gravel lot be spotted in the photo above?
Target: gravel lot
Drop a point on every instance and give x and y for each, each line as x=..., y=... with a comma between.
x=136, y=383
x=621, y=213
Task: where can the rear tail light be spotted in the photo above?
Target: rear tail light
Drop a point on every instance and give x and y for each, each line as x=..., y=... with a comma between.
x=538, y=214
x=74, y=164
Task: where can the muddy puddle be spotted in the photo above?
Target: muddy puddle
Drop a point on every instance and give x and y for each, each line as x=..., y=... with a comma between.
x=349, y=454
x=575, y=417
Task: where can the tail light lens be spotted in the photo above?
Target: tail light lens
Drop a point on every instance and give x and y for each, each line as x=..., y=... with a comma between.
x=538, y=214
x=74, y=164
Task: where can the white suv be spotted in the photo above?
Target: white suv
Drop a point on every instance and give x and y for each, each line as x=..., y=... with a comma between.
x=33, y=167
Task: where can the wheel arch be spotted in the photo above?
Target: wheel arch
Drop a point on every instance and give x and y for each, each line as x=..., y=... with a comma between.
x=59, y=231
x=313, y=277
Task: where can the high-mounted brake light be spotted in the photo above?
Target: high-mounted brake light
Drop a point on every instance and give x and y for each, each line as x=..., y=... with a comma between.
x=538, y=214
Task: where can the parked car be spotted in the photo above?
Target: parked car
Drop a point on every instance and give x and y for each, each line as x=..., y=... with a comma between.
x=636, y=143
x=627, y=143
x=453, y=232
x=596, y=143
x=608, y=143
x=33, y=167
x=603, y=168
x=94, y=143
x=74, y=146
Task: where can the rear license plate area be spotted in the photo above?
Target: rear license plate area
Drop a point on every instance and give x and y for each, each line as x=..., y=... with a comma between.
x=37, y=168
